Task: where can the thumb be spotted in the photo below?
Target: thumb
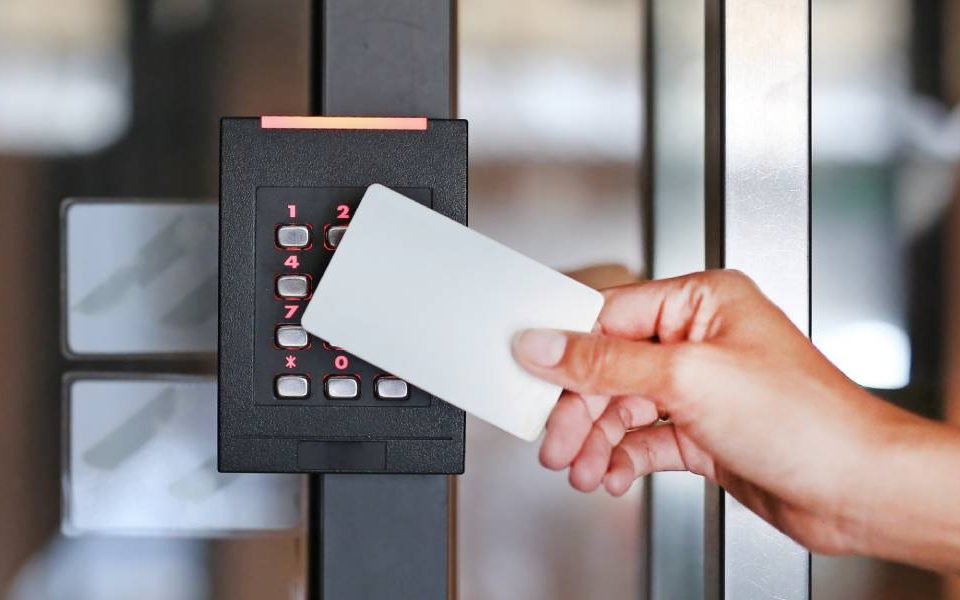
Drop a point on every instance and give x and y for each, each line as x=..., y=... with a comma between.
x=598, y=364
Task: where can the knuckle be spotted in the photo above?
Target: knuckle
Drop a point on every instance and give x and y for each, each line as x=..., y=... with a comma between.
x=732, y=276
x=647, y=460
x=642, y=458
x=739, y=283
x=735, y=275
x=718, y=280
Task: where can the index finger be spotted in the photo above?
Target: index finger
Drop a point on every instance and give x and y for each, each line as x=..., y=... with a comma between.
x=666, y=308
x=568, y=426
x=633, y=311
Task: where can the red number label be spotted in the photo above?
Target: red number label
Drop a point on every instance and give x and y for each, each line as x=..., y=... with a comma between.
x=341, y=362
x=291, y=310
x=292, y=262
x=343, y=211
x=292, y=210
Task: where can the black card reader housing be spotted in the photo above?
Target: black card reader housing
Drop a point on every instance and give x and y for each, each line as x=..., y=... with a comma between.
x=295, y=404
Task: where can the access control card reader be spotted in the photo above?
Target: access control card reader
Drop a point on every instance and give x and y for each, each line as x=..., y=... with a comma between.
x=289, y=402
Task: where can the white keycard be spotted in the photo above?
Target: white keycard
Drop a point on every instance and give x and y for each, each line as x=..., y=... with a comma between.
x=435, y=303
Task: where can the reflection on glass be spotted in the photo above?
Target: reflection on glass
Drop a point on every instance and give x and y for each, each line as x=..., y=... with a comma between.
x=141, y=458
x=141, y=278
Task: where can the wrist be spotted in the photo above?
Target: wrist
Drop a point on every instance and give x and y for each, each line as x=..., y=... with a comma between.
x=908, y=487
x=885, y=457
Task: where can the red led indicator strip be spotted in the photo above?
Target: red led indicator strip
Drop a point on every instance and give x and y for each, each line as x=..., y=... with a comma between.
x=397, y=123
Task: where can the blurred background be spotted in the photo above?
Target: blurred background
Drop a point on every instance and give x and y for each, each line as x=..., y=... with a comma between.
x=116, y=102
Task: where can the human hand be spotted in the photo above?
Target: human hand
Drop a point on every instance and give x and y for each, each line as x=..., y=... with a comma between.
x=753, y=405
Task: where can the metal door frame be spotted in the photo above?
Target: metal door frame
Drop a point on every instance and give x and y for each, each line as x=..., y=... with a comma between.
x=757, y=219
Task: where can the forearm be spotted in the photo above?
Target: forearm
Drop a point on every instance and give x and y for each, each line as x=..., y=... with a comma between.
x=910, y=497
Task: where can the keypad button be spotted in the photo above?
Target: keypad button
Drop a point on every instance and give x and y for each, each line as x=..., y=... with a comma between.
x=292, y=386
x=335, y=234
x=392, y=388
x=293, y=236
x=293, y=286
x=292, y=336
x=342, y=387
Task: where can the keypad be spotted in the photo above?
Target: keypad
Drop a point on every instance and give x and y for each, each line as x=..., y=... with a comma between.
x=292, y=386
x=292, y=336
x=298, y=231
x=293, y=236
x=293, y=286
x=334, y=234
x=342, y=387
x=392, y=388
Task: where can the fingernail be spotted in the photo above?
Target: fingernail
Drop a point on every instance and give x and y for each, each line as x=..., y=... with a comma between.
x=543, y=347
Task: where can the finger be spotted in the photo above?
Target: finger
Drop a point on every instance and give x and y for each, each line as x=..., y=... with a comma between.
x=673, y=309
x=620, y=475
x=640, y=453
x=567, y=428
x=596, y=404
x=592, y=462
x=597, y=364
x=574, y=416
x=587, y=471
x=625, y=413
x=593, y=459
x=634, y=311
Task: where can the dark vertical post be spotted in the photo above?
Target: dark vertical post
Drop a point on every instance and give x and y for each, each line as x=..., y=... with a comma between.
x=382, y=536
x=649, y=159
x=647, y=208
